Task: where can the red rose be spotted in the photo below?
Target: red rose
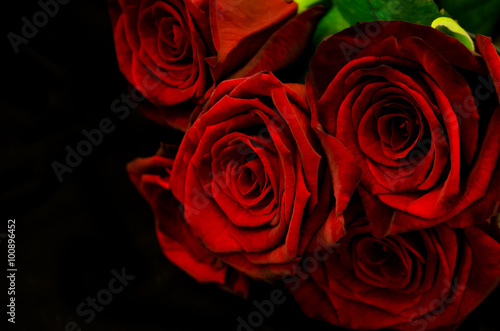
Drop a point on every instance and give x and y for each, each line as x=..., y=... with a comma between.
x=251, y=179
x=420, y=280
x=418, y=113
x=161, y=47
x=173, y=51
x=151, y=176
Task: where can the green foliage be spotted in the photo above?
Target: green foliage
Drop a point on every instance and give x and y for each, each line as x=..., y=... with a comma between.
x=331, y=23
x=475, y=16
x=305, y=4
x=452, y=29
x=414, y=11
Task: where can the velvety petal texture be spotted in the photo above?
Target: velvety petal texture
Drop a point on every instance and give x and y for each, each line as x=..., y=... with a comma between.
x=421, y=280
x=251, y=178
x=174, y=52
x=181, y=246
x=415, y=114
x=161, y=48
x=261, y=35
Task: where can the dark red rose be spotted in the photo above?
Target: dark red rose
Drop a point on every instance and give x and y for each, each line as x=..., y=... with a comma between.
x=414, y=114
x=151, y=176
x=420, y=280
x=161, y=47
x=258, y=35
x=174, y=51
x=251, y=178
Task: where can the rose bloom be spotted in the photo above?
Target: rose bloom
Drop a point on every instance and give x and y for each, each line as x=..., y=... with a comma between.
x=420, y=280
x=251, y=178
x=413, y=115
x=151, y=177
x=174, y=51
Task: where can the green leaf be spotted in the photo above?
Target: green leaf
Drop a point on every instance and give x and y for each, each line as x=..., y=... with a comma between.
x=475, y=16
x=414, y=11
x=452, y=29
x=331, y=23
x=305, y=4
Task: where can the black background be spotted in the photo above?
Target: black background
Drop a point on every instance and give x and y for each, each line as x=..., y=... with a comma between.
x=71, y=235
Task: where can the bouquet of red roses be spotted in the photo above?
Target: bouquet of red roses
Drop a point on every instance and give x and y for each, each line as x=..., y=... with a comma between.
x=349, y=149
